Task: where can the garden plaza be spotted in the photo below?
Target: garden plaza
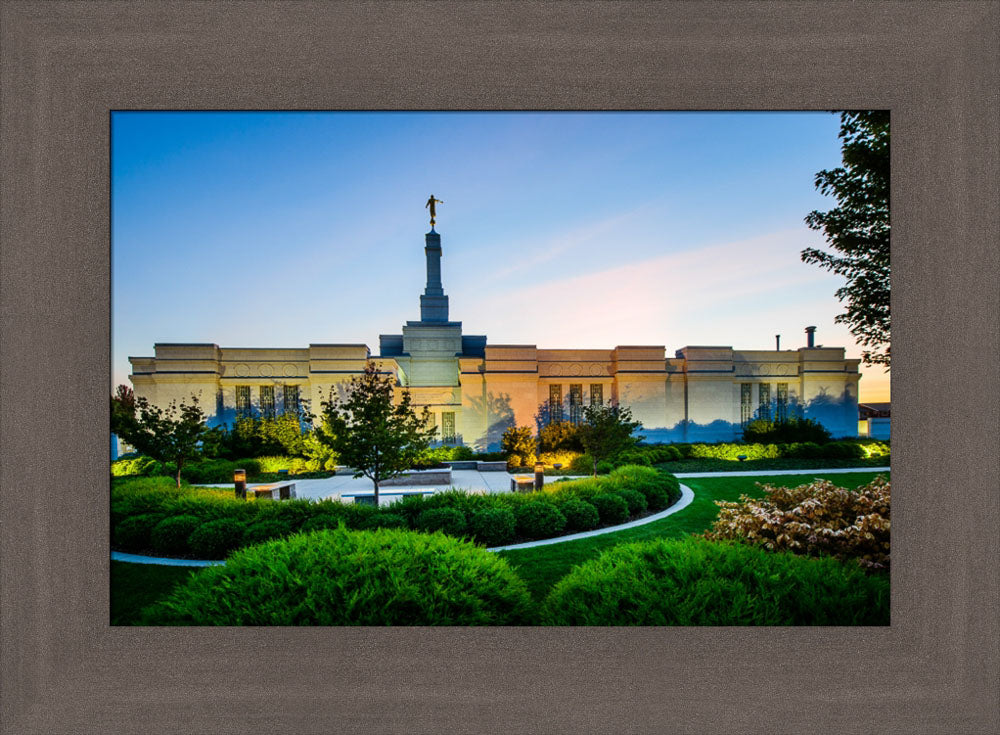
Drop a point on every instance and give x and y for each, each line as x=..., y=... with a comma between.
x=475, y=390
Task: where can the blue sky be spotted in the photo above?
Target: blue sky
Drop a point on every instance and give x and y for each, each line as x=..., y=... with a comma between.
x=558, y=229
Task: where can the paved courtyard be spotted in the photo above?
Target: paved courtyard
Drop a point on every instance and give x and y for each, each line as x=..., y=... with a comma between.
x=333, y=487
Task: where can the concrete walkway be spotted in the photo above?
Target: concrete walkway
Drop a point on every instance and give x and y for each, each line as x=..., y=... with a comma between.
x=332, y=487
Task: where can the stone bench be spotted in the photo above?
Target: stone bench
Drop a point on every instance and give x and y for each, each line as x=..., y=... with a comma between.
x=500, y=466
x=522, y=483
x=273, y=491
x=420, y=477
x=367, y=497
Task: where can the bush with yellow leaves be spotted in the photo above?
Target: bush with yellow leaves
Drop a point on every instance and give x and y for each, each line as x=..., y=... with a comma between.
x=814, y=519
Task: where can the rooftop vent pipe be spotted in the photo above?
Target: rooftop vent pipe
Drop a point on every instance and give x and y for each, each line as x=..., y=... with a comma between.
x=777, y=342
x=810, y=336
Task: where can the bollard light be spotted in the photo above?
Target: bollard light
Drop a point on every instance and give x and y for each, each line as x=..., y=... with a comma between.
x=240, y=481
x=539, y=475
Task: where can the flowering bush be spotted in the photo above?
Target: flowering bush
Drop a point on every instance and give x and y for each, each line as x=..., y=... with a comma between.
x=818, y=518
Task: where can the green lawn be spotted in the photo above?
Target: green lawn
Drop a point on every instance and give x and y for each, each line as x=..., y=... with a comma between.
x=783, y=463
x=134, y=586
x=543, y=566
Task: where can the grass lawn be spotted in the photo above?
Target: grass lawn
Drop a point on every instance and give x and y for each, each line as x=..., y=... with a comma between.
x=134, y=586
x=543, y=566
x=753, y=465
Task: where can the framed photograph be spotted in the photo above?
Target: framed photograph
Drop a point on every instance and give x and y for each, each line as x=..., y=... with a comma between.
x=129, y=132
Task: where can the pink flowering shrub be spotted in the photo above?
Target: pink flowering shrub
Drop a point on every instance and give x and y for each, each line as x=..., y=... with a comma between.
x=818, y=518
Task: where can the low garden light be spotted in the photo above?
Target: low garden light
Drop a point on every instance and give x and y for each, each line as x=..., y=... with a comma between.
x=240, y=481
x=741, y=457
x=539, y=475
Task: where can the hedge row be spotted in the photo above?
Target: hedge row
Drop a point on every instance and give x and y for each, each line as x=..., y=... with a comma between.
x=396, y=577
x=846, y=449
x=145, y=513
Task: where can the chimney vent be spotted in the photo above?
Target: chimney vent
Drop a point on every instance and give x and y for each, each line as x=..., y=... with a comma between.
x=777, y=342
x=810, y=336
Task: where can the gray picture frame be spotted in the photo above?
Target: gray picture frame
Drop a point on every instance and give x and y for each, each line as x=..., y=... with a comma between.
x=65, y=65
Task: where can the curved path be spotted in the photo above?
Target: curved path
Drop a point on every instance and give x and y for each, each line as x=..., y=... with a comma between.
x=687, y=495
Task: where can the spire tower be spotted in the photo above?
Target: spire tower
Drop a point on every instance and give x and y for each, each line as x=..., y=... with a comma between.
x=433, y=302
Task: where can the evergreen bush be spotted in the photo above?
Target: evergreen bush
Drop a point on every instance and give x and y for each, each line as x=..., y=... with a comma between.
x=384, y=519
x=450, y=521
x=539, y=520
x=636, y=501
x=215, y=539
x=133, y=533
x=403, y=578
x=262, y=531
x=612, y=509
x=493, y=526
x=696, y=582
x=580, y=515
x=170, y=536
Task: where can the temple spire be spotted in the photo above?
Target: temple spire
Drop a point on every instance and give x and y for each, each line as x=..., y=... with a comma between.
x=433, y=302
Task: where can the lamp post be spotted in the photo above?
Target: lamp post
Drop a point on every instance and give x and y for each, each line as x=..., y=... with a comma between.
x=539, y=475
x=240, y=480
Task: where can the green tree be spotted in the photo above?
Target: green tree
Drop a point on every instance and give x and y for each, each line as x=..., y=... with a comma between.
x=371, y=432
x=171, y=434
x=518, y=445
x=858, y=230
x=559, y=436
x=122, y=411
x=607, y=431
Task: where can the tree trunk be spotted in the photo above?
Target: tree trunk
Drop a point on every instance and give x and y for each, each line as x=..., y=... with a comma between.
x=595, y=466
x=178, y=475
x=376, y=493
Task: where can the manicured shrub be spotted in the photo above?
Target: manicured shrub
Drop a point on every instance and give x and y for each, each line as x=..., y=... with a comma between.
x=731, y=451
x=493, y=526
x=383, y=577
x=843, y=450
x=636, y=501
x=633, y=457
x=215, y=539
x=132, y=534
x=604, y=467
x=539, y=520
x=874, y=448
x=803, y=450
x=696, y=582
x=135, y=466
x=170, y=536
x=322, y=522
x=816, y=518
x=765, y=431
x=384, y=519
x=612, y=509
x=447, y=520
x=580, y=515
x=658, y=498
x=262, y=531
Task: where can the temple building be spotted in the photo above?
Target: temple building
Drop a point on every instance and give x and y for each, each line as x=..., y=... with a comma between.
x=475, y=389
